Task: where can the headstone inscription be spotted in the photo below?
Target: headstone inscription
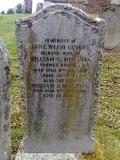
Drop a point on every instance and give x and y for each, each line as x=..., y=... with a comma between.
x=82, y=4
x=111, y=14
x=60, y=53
x=4, y=103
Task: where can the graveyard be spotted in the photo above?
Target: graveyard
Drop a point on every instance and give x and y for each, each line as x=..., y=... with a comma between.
x=107, y=130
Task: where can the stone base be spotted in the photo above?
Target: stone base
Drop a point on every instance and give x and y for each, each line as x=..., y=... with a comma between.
x=46, y=156
x=83, y=145
x=21, y=155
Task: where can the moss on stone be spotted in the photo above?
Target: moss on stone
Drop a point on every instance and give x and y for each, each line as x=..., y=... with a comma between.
x=96, y=155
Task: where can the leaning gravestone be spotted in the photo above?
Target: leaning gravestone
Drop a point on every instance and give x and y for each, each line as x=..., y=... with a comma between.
x=111, y=14
x=4, y=104
x=60, y=53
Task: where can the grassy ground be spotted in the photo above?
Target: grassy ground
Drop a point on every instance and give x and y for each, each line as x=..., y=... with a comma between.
x=7, y=33
x=108, y=122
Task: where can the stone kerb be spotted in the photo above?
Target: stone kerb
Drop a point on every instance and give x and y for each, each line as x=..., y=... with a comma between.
x=4, y=103
x=75, y=37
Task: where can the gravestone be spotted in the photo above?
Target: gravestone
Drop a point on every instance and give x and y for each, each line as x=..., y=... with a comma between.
x=111, y=14
x=60, y=53
x=75, y=3
x=28, y=6
x=39, y=6
x=4, y=103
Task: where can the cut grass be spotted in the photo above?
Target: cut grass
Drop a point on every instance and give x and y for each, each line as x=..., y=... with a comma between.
x=108, y=128
x=7, y=33
x=96, y=155
x=108, y=122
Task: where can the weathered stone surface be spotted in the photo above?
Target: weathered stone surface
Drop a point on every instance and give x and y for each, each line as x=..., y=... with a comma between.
x=75, y=3
x=39, y=6
x=4, y=103
x=111, y=14
x=116, y=2
x=60, y=53
x=46, y=156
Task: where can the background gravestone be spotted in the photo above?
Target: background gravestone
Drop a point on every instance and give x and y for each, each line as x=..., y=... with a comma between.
x=39, y=6
x=111, y=14
x=28, y=6
x=4, y=104
x=75, y=3
x=60, y=52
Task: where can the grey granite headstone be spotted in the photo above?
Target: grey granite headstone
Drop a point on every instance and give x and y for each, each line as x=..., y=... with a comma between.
x=111, y=14
x=4, y=103
x=75, y=3
x=60, y=53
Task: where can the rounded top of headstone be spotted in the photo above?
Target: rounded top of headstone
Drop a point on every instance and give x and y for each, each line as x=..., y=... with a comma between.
x=29, y=21
x=69, y=1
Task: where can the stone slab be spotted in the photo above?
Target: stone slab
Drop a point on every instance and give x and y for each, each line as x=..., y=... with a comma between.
x=46, y=156
x=21, y=155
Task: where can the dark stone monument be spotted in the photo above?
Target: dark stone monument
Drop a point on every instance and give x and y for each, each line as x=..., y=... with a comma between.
x=28, y=6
